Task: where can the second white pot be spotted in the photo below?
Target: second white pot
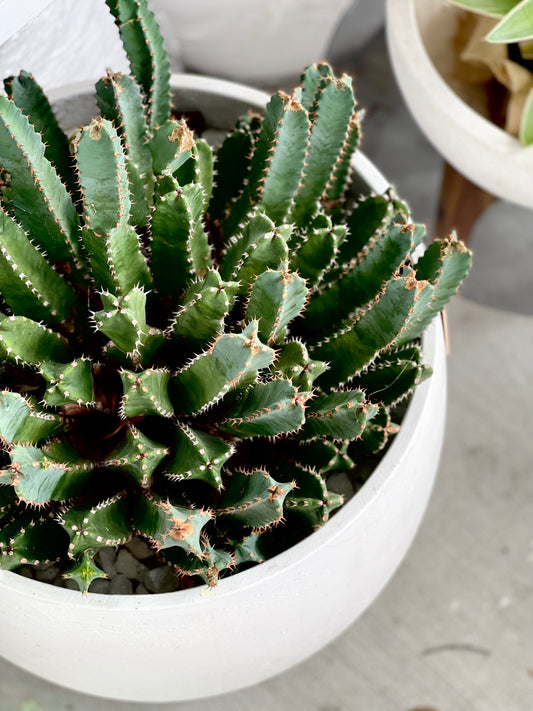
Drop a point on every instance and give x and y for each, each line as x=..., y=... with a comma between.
x=477, y=148
x=254, y=41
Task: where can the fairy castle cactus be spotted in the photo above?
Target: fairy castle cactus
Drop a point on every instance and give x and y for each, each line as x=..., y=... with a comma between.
x=192, y=342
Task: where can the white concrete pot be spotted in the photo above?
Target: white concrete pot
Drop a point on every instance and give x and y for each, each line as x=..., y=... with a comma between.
x=201, y=642
x=477, y=148
x=262, y=42
x=56, y=40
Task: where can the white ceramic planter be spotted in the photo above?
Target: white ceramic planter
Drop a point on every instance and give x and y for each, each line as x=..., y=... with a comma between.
x=56, y=40
x=477, y=148
x=259, y=42
x=258, y=623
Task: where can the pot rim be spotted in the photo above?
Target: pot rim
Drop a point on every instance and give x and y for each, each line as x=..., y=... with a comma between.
x=433, y=343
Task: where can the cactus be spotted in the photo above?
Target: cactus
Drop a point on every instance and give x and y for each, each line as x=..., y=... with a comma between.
x=185, y=358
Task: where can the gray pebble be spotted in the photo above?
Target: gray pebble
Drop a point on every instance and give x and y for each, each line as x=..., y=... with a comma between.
x=105, y=559
x=27, y=571
x=161, y=580
x=101, y=586
x=47, y=573
x=130, y=566
x=140, y=549
x=69, y=583
x=141, y=589
x=340, y=483
x=121, y=585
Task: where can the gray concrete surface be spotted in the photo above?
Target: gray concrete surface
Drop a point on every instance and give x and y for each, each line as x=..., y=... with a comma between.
x=454, y=629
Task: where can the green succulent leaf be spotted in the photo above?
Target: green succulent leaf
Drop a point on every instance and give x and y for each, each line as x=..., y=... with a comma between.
x=68, y=382
x=391, y=378
x=26, y=93
x=146, y=393
x=180, y=250
x=328, y=133
x=515, y=26
x=123, y=320
x=276, y=298
x=295, y=364
x=83, y=572
x=318, y=250
x=203, y=308
x=277, y=162
x=24, y=421
x=30, y=538
x=147, y=55
x=248, y=550
x=369, y=217
x=254, y=499
x=323, y=455
x=375, y=436
x=30, y=286
x=496, y=8
x=103, y=177
x=117, y=262
x=220, y=369
x=94, y=527
x=53, y=473
x=24, y=340
x=439, y=273
x=266, y=410
x=352, y=348
x=311, y=499
x=314, y=78
x=208, y=565
x=138, y=456
x=340, y=415
x=167, y=525
x=231, y=164
x=171, y=146
x=197, y=455
x=40, y=202
x=363, y=278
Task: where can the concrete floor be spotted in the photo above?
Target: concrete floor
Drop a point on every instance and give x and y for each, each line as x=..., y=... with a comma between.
x=454, y=629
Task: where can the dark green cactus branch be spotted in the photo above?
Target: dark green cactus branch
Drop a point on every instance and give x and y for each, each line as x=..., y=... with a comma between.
x=103, y=177
x=29, y=284
x=334, y=111
x=358, y=343
x=277, y=297
x=255, y=499
x=24, y=421
x=42, y=206
x=180, y=249
x=119, y=100
x=267, y=409
x=26, y=341
x=198, y=455
x=31, y=100
x=146, y=53
x=220, y=369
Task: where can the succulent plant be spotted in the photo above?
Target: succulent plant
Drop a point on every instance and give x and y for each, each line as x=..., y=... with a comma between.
x=514, y=27
x=192, y=342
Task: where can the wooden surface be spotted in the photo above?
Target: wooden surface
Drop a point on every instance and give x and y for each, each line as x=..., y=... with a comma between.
x=461, y=204
x=454, y=629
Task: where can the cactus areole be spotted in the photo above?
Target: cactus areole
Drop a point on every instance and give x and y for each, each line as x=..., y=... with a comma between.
x=193, y=341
